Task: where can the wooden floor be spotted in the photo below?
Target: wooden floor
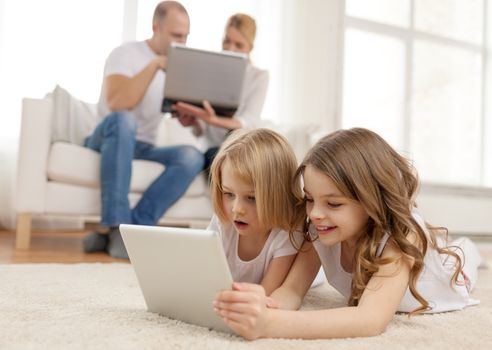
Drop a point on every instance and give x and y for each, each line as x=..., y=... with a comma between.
x=50, y=247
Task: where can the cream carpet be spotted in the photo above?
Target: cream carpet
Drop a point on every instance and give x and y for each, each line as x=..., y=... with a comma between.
x=99, y=306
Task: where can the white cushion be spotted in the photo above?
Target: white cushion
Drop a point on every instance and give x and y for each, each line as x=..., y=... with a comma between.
x=72, y=164
x=72, y=119
x=76, y=200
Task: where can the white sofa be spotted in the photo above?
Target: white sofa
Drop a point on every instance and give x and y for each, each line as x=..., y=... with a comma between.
x=59, y=178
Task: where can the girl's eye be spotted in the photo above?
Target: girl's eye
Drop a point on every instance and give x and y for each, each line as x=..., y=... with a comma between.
x=306, y=199
x=228, y=195
x=251, y=198
x=334, y=205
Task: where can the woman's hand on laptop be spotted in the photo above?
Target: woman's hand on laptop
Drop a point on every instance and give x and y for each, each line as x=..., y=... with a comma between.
x=207, y=113
x=187, y=120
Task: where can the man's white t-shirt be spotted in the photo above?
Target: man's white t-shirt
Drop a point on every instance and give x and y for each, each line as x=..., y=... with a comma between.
x=130, y=59
x=278, y=244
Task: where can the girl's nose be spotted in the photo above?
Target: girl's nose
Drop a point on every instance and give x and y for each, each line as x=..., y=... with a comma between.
x=316, y=214
x=237, y=207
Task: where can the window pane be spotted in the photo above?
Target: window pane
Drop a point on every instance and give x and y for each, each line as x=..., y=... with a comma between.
x=457, y=19
x=374, y=79
x=446, y=130
x=44, y=43
x=487, y=176
x=396, y=12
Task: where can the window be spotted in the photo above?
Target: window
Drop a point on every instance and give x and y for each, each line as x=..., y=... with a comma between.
x=44, y=43
x=415, y=72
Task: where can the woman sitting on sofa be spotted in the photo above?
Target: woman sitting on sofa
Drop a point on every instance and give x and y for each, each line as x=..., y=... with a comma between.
x=239, y=36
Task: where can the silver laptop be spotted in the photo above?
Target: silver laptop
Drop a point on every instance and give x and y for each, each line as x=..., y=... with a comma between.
x=194, y=75
x=179, y=271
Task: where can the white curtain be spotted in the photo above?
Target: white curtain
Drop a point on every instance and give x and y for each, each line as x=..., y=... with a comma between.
x=42, y=44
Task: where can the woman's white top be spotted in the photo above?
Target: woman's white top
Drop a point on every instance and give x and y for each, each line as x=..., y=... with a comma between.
x=434, y=282
x=277, y=244
x=253, y=95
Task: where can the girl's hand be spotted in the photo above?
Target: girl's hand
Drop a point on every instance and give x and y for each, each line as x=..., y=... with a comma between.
x=244, y=309
x=272, y=303
x=207, y=113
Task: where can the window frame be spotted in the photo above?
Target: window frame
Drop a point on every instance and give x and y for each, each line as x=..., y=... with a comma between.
x=409, y=36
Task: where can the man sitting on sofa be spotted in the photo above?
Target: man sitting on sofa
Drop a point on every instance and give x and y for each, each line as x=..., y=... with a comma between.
x=129, y=104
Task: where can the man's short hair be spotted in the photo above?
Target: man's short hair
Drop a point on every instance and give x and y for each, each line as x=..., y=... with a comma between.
x=162, y=9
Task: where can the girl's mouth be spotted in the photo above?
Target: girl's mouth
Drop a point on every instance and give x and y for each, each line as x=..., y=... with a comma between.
x=240, y=225
x=324, y=230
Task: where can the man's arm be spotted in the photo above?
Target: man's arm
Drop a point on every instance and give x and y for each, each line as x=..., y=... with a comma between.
x=124, y=93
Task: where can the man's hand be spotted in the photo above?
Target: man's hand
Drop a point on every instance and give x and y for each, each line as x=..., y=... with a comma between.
x=161, y=62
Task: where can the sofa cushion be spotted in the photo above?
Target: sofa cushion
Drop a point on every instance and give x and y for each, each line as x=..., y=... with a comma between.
x=76, y=165
x=60, y=200
x=72, y=119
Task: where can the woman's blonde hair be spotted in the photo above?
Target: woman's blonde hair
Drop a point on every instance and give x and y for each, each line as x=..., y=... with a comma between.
x=367, y=169
x=264, y=159
x=245, y=24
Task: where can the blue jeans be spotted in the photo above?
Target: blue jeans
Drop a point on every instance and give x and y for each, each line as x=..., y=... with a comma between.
x=114, y=139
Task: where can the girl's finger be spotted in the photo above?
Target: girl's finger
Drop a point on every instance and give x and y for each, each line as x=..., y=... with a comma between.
x=232, y=315
x=242, y=308
x=234, y=296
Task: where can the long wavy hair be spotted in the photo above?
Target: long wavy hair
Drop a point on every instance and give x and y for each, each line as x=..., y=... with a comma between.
x=365, y=168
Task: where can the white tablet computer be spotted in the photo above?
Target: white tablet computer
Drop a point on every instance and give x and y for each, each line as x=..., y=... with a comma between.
x=179, y=271
x=194, y=75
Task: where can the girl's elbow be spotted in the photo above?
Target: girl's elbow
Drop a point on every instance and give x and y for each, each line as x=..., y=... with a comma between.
x=377, y=330
x=375, y=327
x=370, y=323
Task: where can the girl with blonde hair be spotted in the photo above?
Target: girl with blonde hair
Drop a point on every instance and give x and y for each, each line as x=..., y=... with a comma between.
x=372, y=242
x=254, y=205
x=239, y=36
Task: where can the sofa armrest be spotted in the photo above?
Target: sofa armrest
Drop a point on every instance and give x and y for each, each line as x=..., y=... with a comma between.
x=34, y=146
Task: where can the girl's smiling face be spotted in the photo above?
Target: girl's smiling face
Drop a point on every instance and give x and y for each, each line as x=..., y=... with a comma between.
x=335, y=217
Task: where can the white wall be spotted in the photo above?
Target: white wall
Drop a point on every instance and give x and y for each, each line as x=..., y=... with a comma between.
x=460, y=211
x=315, y=65
x=312, y=46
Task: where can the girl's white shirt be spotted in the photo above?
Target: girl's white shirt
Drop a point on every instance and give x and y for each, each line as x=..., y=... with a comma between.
x=434, y=282
x=277, y=245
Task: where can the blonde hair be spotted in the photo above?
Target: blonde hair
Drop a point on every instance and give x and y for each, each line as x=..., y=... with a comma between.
x=367, y=169
x=245, y=24
x=264, y=159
